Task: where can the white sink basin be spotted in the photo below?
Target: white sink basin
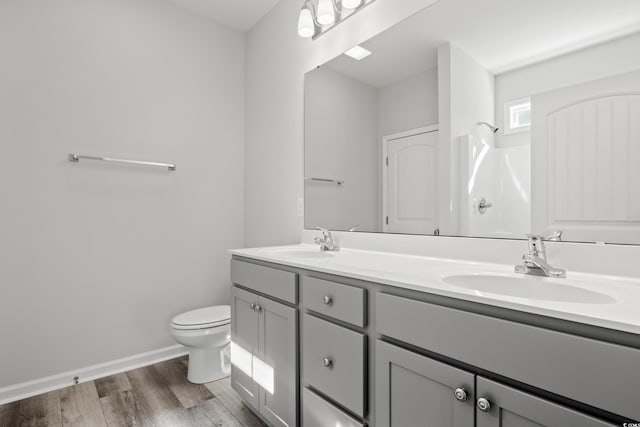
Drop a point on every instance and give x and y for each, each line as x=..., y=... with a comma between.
x=530, y=287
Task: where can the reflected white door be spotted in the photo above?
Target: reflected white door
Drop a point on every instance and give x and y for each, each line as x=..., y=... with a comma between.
x=410, y=184
x=585, y=148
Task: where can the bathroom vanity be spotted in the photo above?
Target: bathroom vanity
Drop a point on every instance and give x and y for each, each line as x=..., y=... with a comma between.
x=460, y=123
x=358, y=338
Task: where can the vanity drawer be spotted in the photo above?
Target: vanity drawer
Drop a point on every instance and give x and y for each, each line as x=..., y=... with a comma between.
x=269, y=281
x=597, y=373
x=333, y=362
x=342, y=302
x=317, y=412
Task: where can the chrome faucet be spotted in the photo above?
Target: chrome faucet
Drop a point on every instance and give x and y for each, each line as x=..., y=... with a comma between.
x=326, y=242
x=535, y=262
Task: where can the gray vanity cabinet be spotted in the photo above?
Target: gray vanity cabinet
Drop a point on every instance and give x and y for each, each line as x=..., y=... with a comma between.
x=413, y=390
x=265, y=372
x=373, y=355
x=510, y=407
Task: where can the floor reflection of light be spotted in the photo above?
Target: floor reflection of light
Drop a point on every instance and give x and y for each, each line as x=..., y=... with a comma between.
x=260, y=371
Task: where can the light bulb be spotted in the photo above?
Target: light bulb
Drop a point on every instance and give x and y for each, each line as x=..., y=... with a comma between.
x=306, y=28
x=351, y=4
x=326, y=14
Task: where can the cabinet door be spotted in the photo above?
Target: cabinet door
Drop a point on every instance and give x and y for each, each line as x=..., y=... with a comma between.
x=510, y=407
x=277, y=368
x=413, y=390
x=244, y=344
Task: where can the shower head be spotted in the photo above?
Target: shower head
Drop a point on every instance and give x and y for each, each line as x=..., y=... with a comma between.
x=493, y=128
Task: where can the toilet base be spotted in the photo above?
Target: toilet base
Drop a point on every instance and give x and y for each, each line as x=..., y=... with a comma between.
x=208, y=364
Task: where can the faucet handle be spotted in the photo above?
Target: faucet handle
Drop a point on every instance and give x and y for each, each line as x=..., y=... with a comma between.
x=325, y=232
x=555, y=236
x=536, y=245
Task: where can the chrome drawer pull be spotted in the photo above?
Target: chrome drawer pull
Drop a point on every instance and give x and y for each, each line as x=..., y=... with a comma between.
x=327, y=362
x=483, y=404
x=460, y=394
x=328, y=299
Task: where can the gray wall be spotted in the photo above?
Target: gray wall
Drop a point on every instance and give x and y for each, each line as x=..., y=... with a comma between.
x=95, y=259
x=340, y=143
x=408, y=104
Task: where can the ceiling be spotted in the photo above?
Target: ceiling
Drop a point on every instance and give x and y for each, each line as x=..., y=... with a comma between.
x=501, y=35
x=239, y=15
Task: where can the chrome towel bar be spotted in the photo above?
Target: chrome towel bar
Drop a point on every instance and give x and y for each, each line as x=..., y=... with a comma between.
x=78, y=157
x=333, y=181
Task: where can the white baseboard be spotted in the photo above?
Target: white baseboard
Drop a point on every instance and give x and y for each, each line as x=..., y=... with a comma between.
x=23, y=390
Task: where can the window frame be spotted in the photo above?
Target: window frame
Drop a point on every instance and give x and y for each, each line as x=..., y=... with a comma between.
x=508, y=107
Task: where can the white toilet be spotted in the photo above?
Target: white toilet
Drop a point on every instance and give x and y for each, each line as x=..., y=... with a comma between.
x=206, y=332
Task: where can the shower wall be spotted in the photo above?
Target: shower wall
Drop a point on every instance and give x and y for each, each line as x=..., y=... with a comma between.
x=501, y=176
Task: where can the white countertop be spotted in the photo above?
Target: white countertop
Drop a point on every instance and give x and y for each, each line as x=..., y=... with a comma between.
x=619, y=309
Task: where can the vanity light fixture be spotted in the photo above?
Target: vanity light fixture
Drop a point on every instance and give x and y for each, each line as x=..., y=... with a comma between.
x=306, y=21
x=317, y=16
x=358, y=53
x=351, y=4
x=326, y=12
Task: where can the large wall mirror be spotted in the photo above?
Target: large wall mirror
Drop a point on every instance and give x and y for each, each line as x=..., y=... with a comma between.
x=482, y=118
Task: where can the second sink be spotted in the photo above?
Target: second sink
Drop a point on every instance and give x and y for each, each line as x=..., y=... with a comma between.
x=530, y=287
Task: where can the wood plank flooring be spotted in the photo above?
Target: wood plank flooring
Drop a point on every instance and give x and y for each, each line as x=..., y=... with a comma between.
x=157, y=395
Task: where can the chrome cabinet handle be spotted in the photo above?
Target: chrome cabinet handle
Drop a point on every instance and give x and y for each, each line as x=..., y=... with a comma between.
x=252, y=306
x=483, y=404
x=327, y=362
x=460, y=394
x=328, y=299
x=258, y=308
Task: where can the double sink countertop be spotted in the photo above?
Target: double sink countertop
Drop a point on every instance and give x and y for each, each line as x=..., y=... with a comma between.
x=600, y=300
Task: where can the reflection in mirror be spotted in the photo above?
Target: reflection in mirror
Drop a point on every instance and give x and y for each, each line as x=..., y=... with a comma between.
x=485, y=118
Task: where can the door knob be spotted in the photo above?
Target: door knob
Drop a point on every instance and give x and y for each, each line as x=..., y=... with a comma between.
x=327, y=362
x=483, y=404
x=328, y=299
x=257, y=308
x=252, y=306
x=460, y=394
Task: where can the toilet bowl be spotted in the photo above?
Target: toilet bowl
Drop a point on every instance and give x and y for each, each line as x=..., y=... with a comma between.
x=206, y=332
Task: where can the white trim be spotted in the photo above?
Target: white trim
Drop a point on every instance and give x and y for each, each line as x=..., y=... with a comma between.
x=43, y=385
x=385, y=144
x=411, y=132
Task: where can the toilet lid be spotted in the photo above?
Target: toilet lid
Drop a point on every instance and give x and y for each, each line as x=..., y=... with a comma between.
x=207, y=317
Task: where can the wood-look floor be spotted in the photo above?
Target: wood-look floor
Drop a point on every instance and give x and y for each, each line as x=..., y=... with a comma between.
x=156, y=395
